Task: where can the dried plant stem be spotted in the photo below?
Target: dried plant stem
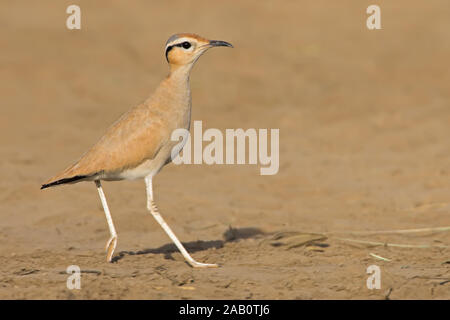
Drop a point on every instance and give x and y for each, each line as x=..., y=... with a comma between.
x=385, y=244
x=438, y=229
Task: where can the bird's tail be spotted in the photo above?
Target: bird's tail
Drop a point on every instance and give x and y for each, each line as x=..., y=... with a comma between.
x=72, y=174
x=53, y=183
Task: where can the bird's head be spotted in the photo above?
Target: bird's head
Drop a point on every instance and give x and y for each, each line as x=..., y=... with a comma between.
x=184, y=49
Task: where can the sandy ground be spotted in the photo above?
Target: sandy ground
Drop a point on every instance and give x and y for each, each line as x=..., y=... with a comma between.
x=364, y=119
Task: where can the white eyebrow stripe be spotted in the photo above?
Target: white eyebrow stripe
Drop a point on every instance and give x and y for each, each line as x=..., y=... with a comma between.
x=178, y=41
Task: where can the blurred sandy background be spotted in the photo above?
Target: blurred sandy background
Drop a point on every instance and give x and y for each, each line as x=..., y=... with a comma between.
x=364, y=119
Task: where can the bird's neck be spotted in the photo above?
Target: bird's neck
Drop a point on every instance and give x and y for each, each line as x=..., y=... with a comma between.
x=180, y=73
x=174, y=95
x=178, y=81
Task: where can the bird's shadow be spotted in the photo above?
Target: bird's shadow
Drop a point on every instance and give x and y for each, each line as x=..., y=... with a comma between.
x=230, y=235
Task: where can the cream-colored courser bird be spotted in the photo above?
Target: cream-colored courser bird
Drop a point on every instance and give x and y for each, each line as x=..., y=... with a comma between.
x=138, y=145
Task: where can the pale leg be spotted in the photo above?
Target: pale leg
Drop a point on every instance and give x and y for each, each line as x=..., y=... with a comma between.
x=151, y=206
x=112, y=242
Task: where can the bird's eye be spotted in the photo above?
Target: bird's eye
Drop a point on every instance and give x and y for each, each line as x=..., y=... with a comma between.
x=186, y=45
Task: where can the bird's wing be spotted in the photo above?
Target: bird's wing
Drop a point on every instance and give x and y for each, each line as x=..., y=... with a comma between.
x=137, y=136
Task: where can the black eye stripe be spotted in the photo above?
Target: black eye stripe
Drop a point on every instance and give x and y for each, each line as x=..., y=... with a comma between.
x=185, y=45
x=167, y=52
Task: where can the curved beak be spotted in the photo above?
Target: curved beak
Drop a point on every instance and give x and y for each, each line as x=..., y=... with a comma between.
x=219, y=43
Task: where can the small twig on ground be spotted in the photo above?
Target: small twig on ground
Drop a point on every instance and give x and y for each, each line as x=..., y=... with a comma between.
x=379, y=257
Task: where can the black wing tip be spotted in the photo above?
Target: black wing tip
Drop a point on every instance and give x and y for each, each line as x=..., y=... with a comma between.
x=62, y=181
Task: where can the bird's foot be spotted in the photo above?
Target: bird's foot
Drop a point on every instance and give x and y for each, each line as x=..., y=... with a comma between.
x=110, y=247
x=196, y=264
x=151, y=206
